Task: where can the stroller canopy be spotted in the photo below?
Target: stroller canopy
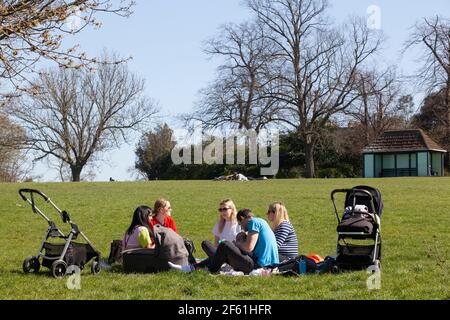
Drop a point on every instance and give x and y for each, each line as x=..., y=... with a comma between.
x=364, y=199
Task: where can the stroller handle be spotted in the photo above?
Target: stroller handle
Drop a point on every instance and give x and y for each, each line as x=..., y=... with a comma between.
x=64, y=214
x=31, y=191
x=354, y=191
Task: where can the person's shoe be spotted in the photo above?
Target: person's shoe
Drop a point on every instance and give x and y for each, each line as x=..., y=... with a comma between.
x=186, y=268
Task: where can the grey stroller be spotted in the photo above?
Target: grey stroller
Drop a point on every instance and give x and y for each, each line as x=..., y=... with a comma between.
x=59, y=257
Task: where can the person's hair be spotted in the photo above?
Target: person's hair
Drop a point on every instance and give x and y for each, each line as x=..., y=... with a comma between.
x=140, y=218
x=280, y=213
x=244, y=214
x=228, y=203
x=159, y=204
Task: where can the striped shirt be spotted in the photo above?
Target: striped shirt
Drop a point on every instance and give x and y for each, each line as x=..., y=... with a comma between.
x=286, y=239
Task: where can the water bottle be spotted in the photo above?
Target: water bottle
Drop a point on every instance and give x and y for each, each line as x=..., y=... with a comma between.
x=302, y=266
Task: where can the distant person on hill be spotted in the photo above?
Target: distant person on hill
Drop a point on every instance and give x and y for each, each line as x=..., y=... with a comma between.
x=239, y=177
x=162, y=215
x=224, y=178
x=284, y=231
x=137, y=234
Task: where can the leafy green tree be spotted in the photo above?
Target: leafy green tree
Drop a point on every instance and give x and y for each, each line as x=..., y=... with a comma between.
x=153, y=152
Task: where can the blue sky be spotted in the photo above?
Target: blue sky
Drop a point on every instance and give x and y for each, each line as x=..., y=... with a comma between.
x=165, y=37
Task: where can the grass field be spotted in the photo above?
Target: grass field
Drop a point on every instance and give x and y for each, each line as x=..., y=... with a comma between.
x=415, y=231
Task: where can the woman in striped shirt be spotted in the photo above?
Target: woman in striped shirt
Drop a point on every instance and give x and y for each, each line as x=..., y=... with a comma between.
x=284, y=231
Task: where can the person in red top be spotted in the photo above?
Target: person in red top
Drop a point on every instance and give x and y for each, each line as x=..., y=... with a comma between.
x=162, y=215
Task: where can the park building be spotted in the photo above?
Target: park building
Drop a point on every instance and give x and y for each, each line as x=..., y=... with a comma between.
x=397, y=153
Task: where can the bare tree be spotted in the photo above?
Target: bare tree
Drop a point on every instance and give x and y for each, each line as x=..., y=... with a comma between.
x=320, y=63
x=433, y=36
x=11, y=139
x=381, y=102
x=34, y=30
x=78, y=114
x=432, y=116
x=237, y=97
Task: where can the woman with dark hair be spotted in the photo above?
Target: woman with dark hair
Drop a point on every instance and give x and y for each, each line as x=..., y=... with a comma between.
x=137, y=234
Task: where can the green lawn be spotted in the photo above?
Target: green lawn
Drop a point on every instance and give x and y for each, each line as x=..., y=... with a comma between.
x=415, y=231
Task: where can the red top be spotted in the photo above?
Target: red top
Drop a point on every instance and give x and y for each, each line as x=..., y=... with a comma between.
x=168, y=223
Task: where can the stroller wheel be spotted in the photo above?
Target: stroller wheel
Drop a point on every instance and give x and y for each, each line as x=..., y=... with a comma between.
x=31, y=264
x=59, y=268
x=95, y=267
x=335, y=269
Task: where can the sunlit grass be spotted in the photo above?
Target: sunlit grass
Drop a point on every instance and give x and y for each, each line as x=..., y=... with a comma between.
x=415, y=231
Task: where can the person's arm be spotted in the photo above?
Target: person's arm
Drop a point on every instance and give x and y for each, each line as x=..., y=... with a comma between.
x=174, y=226
x=216, y=241
x=281, y=234
x=250, y=243
x=171, y=224
x=144, y=239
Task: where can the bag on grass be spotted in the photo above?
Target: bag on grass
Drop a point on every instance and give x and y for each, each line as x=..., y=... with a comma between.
x=326, y=265
x=304, y=265
x=115, y=255
x=169, y=246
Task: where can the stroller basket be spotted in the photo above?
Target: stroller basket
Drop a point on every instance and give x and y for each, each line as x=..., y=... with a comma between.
x=77, y=254
x=356, y=256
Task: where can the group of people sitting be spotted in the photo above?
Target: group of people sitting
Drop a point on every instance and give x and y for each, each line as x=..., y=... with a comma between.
x=243, y=241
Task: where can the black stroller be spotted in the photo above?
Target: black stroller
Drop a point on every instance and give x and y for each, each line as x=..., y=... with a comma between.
x=59, y=257
x=360, y=223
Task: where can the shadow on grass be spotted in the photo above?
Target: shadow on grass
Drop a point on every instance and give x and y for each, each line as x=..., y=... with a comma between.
x=45, y=272
x=41, y=273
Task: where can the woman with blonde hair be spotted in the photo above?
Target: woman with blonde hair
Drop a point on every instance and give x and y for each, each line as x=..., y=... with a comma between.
x=226, y=228
x=284, y=231
x=162, y=212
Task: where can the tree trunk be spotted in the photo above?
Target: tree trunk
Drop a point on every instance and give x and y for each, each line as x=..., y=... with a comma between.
x=309, y=157
x=76, y=172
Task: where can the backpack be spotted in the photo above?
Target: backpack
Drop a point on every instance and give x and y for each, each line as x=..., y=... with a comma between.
x=304, y=265
x=170, y=246
x=297, y=265
x=115, y=254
